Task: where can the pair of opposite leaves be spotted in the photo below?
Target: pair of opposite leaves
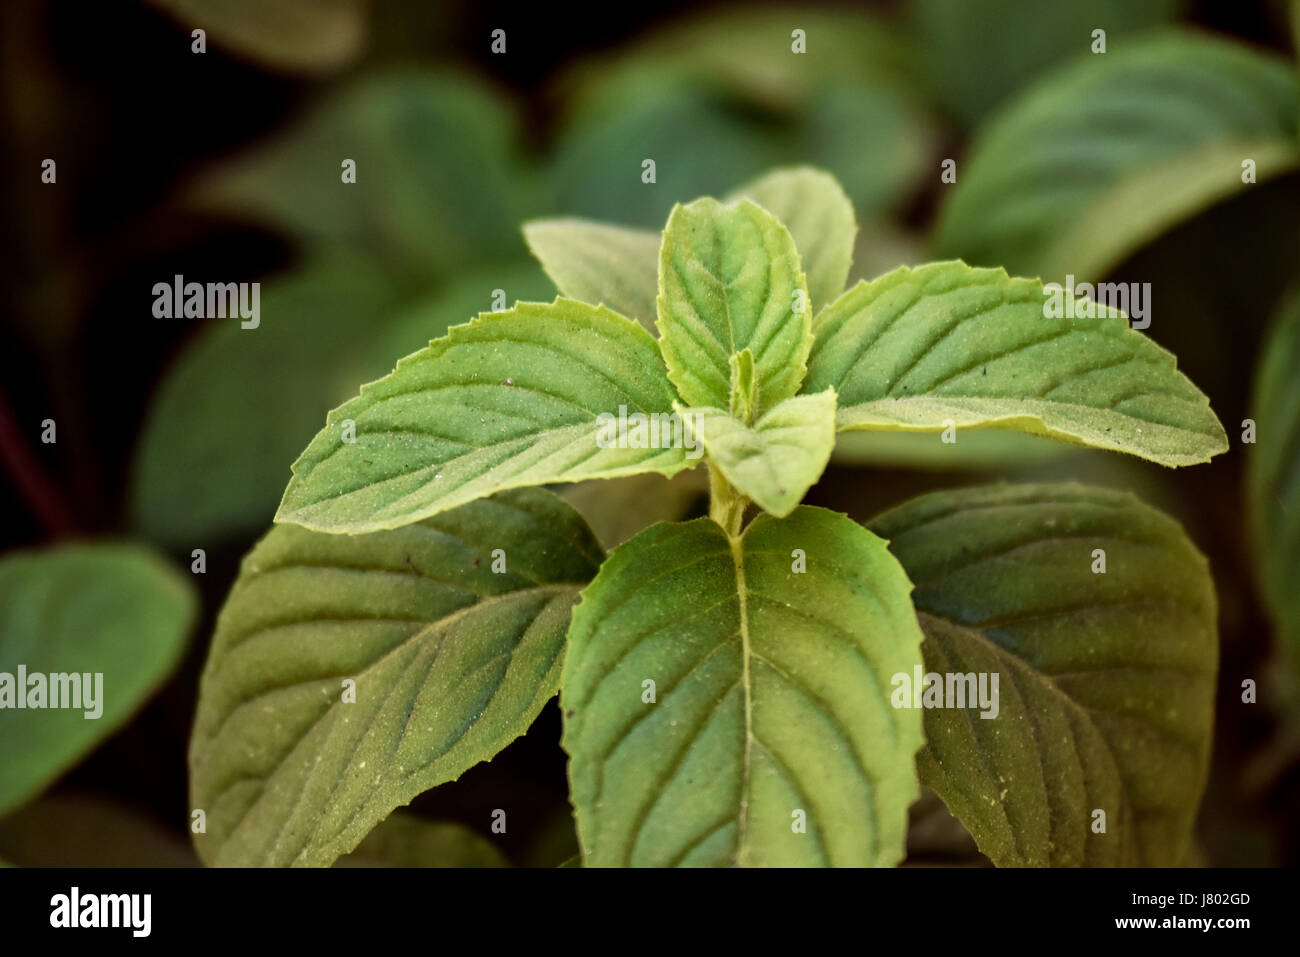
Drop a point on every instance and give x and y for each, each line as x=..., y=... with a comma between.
x=511, y=399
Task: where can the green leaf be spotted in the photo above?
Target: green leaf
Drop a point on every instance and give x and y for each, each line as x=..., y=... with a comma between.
x=439, y=186
x=405, y=840
x=1274, y=473
x=771, y=690
x=1106, y=680
x=729, y=279
x=597, y=167
x=301, y=35
x=600, y=264
x=1018, y=40
x=918, y=349
x=1115, y=149
x=727, y=86
x=239, y=404
x=114, y=618
x=748, y=53
x=452, y=660
x=814, y=207
x=777, y=459
x=508, y=400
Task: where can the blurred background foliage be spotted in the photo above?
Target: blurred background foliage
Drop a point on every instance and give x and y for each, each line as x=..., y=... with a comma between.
x=225, y=167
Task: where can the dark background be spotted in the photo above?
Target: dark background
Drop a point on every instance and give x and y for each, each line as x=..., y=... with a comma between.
x=112, y=89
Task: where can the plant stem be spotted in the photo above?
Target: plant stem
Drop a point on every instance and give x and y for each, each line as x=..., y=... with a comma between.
x=726, y=505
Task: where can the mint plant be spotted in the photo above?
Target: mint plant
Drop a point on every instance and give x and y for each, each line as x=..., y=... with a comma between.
x=771, y=684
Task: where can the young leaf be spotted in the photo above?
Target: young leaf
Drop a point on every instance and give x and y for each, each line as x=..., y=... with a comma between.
x=1274, y=473
x=945, y=344
x=1116, y=148
x=508, y=400
x=729, y=279
x=95, y=627
x=726, y=701
x=1098, y=617
x=350, y=673
x=600, y=264
x=814, y=207
x=777, y=459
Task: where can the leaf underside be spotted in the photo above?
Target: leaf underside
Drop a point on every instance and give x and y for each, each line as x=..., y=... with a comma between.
x=600, y=264
x=920, y=349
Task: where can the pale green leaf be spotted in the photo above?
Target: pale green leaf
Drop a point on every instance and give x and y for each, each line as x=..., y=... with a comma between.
x=600, y=264
x=814, y=207
x=771, y=698
x=1105, y=679
x=616, y=509
x=405, y=840
x=1274, y=473
x=1113, y=150
x=729, y=279
x=508, y=400
x=452, y=659
x=302, y=35
x=777, y=459
x=920, y=349
x=100, y=627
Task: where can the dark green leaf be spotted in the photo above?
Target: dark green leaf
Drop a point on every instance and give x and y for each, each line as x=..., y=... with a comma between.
x=452, y=631
x=1106, y=679
x=1274, y=473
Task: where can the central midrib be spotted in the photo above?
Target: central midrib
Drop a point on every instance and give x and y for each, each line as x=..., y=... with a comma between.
x=738, y=560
